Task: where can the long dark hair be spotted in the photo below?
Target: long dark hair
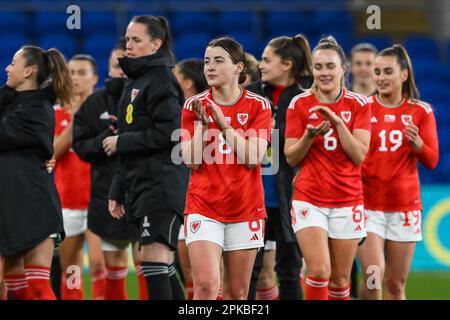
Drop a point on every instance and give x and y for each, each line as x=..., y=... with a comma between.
x=295, y=49
x=236, y=52
x=52, y=71
x=409, y=88
x=192, y=69
x=157, y=28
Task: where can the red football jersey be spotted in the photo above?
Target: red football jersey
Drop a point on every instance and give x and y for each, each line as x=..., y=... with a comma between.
x=72, y=175
x=327, y=177
x=389, y=172
x=221, y=188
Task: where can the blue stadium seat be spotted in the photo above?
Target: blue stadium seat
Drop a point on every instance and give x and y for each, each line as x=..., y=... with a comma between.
x=248, y=41
x=230, y=22
x=379, y=42
x=62, y=41
x=134, y=13
x=99, y=44
x=95, y=21
x=14, y=22
x=10, y=43
x=191, y=22
x=329, y=21
x=50, y=21
x=434, y=91
x=191, y=46
x=279, y=23
x=420, y=46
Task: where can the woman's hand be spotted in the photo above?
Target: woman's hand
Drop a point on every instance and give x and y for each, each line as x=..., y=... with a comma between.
x=110, y=145
x=116, y=209
x=319, y=130
x=328, y=114
x=50, y=164
x=412, y=135
x=218, y=116
x=200, y=111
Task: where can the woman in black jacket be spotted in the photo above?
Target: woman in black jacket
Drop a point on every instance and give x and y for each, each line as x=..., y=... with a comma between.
x=148, y=185
x=285, y=72
x=30, y=212
x=93, y=122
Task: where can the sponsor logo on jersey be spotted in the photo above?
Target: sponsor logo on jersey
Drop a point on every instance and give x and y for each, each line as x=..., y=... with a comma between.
x=304, y=213
x=389, y=118
x=228, y=120
x=255, y=237
x=373, y=120
x=134, y=94
x=346, y=116
x=406, y=119
x=242, y=118
x=313, y=116
x=104, y=115
x=195, y=225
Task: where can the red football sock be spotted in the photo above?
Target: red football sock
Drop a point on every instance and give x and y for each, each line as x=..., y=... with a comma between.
x=115, y=288
x=316, y=289
x=39, y=281
x=219, y=295
x=339, y=293
x=17, y=286
x=189, y=290
x=268, y=293
x=71, y=291
x=142, y=283
x=98, y=285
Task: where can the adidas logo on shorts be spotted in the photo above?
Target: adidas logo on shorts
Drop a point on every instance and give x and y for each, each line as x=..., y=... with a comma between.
x=255, y=237
x=145, y=233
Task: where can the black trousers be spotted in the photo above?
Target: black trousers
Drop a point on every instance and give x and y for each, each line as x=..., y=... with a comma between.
x=288, y=261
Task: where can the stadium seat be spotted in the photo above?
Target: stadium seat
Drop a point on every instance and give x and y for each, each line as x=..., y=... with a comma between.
x=191, y=46
x=279, y=23
x=230, y=22
x=10, y=43
x=378, y=41
x=99, y=44
x=94, y=21
x=420, y=46
x=191, y=22
x=62, y=41
x=14, y=22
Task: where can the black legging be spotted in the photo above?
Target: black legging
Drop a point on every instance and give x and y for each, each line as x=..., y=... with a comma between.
x=288, y=261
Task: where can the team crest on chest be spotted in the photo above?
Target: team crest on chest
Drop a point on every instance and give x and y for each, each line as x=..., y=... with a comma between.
x=242, y=118
x=195, y=225
x=134, y=94
x=406, y=119
x=346, y=116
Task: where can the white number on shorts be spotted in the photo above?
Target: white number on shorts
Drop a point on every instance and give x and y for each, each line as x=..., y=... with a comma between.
x=224, y=147
x=254, y=225
x=395, y=137
x=357, y=215
x=329, y=142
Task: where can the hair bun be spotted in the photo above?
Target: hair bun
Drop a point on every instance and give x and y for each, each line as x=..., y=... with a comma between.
x=328, y=40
